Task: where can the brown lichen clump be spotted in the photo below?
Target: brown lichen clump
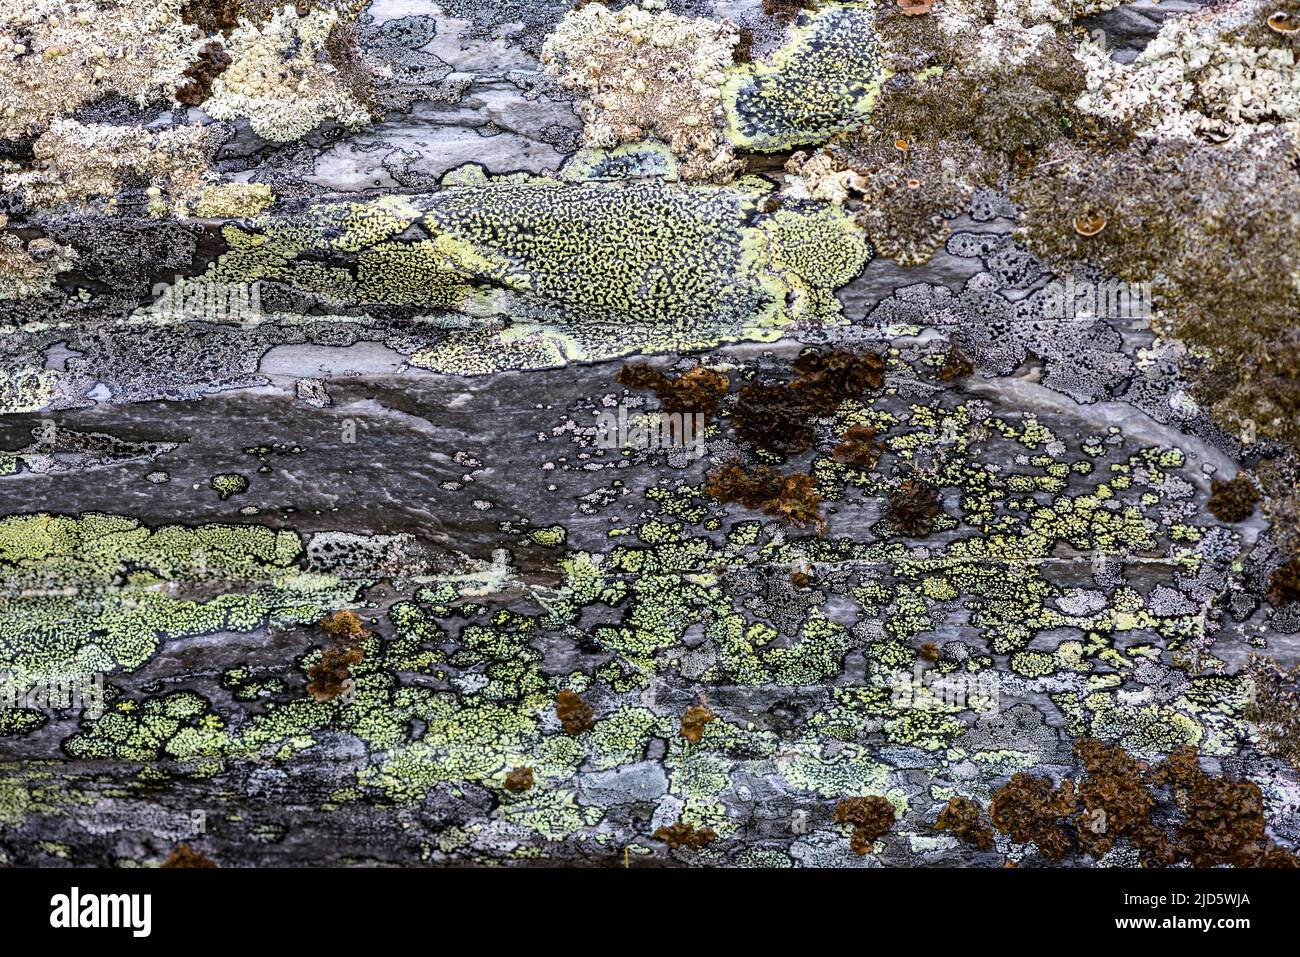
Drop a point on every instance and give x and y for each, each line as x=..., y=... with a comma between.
x=212, y=16
x=693, y=722
x=185, y=856
x=574, y=713
x=1233, y=500
x=773, y=418
x=1116, y=803
x=743, y=50
x=1224, y=820
x=1274, y=707
x=1219, y=821
x=696, y=390
x=1032, y=809
x=824, y=379
x=930, y=651
x=955, y=366
x=914, y=506
x=332, y=675
x=790, y=498
x=212, y=62
x=871, y=817
x=776, y=418
x=344, y=626
x=1284, y=583
x=519, y=780
x=858, y=448
x=682, y=834
x=962, y=818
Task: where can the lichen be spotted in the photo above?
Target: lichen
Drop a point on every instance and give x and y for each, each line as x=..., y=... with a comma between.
x=648, y=74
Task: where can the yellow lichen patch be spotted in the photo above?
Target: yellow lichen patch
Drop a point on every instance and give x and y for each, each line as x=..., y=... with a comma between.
x=822, y=82
x=233, y=200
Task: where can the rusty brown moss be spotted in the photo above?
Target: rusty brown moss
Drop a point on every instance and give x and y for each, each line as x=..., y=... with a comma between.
x=574, y=713
x=685, y=835
x=791, y=498
x=519, y=779
x=693, y=722
x=1233, y=500
x=696, y=390
x=185, y=856
x=962, y=818
x=871, y=816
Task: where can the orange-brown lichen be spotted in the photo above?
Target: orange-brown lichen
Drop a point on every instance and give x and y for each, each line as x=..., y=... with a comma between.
x=332, y=675
x=955, y=366
x=962, y=818
x=696, y=390
x=185, y=856
x=777, y=418
x=930, y=651
x=693, y=722
x=743, y=50
x=519, y=779
x=1116, y=803
x=212, y=62
x=682, y=834
x=1224, y=820
x=1218, y=821
x=213, y=16
x=773, y=418
x=344, y=626
x=1280, y=481
x=858, y=448
x=871, y=816
x=824, y=379
x=1029, y=808
x=913, y=507
x=790, y=498
x=574, y=713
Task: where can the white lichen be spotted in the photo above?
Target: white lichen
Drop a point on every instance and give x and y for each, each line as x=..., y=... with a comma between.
x=28, y=268
x=56, y=57
x=280, y=79
x=648, y=74
x=82, y=162
x=1195, y=79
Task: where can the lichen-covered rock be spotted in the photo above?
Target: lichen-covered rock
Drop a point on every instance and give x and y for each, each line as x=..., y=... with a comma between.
x=346, y=357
